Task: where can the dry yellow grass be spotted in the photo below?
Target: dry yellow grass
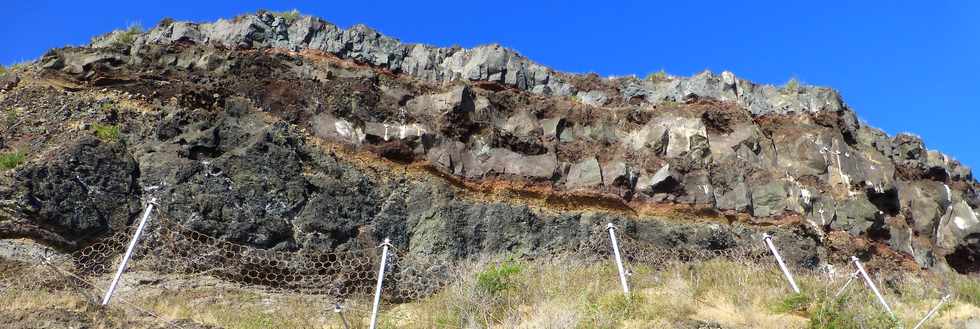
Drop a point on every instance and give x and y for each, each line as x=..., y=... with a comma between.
x=561, y=293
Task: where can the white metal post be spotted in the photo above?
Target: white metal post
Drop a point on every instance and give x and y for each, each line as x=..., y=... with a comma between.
x=779, y=259
x=850, y=278
x=381, y=277
x=932, y=312
x=619, y=259
x=339, y=311
x=129, y=252
x=871, y=284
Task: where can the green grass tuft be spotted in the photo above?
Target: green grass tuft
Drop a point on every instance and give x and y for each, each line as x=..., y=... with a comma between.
x=840, y=314
x=108, y=133
x=288, y=16
x=968, y=290
x=792, y=303
x=498, y=278
x=125, y=38
x=792, y=86
x=657, y=76
x=11, y=160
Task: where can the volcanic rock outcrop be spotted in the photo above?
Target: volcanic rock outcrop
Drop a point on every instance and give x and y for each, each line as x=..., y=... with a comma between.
x=292, y=133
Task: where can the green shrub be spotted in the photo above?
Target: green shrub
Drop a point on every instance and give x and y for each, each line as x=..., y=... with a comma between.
x=125, y=38
x=669, y=103
x=968, y=290
x=619, y=305
x=797, y=302
x=792, y=86
x=839, y=314
x=106, y=106
x=288, y=16
x=108, y=133
x=498, y=278
x=3, y=69
x=657, y=76
x=10, y=116
x=11, y=160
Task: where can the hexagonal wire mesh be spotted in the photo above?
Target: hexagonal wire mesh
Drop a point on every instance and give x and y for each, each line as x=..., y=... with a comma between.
x=170, y=248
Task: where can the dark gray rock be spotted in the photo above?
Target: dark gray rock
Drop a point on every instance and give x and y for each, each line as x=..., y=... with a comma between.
x=585, y=173
x=82, y=62
x=924, y=201
x=594, y=98
x=534, y=166
x=85, y=189
x=959, y=223
x=616, y=173
x=552, y=128
x=768, y=199
x=856, y=216
x=650, y=182
x=8, y=80
x=733, y=198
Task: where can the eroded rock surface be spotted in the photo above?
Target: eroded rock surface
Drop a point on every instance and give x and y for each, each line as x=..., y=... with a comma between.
x=297, y=134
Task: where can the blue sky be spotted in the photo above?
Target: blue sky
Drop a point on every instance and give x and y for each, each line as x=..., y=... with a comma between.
x=903, y=66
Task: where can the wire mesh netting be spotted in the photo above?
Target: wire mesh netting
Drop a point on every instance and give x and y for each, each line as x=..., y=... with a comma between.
x=633, y=251
x=179, y=256
x=172, y=248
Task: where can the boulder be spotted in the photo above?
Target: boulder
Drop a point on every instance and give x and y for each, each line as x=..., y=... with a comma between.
x=616, y=173
x=552, y=127
x=959, y=223
x=453, y=110
x=85, y=189
x=652, y=137
x=697, y=188
x=908, y=147
x=541, y=166
x=8, y=80
x=735, y=197
x=585, y=173
x=768, y=199
x=448, y=156
x=82, y=62
x=856, y=216
x=593, y=98
x=925, y=201
x=649, y=183
x=900, y=236
x=683, y=135
x=522, y=124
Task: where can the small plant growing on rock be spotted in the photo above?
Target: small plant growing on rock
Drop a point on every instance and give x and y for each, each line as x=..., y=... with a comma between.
x=288, y=16
x=498, y=278
x=125, y=38
x=3, y=69
x=11, y=160
x=108, y=133
x=657, y=76
x=792, y=86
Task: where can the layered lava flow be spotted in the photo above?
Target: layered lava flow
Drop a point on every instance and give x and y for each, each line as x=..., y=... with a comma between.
x=291, y=133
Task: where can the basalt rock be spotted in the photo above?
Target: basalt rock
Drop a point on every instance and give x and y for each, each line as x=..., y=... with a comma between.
x=75, y=193
x=296, y=134
x=8, y=81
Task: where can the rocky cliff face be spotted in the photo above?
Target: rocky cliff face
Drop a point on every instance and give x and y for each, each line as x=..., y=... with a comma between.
x=292, y=133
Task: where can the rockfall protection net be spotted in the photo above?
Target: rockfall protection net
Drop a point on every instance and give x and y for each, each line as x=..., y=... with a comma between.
x=636, y=252
x=172, y=251
x=168, y=247
x=175, y=253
